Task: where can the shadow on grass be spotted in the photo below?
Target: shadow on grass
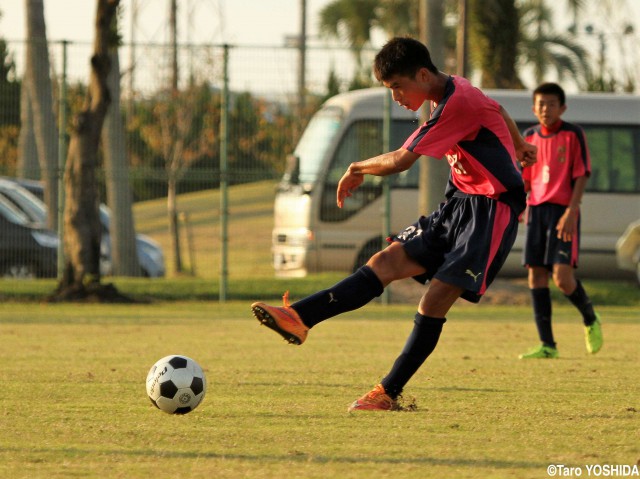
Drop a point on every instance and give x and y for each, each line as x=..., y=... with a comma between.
x=294, y=457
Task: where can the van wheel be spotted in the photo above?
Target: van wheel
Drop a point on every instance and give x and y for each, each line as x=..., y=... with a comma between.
x=368, y=250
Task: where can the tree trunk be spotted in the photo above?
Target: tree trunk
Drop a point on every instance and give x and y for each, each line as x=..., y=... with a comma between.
x=81, y=278
x=124, y=256
x=38, y=82
x=433, y=174
x=27, y=166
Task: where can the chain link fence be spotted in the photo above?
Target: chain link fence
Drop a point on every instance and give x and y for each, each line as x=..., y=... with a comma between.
x=215, y=121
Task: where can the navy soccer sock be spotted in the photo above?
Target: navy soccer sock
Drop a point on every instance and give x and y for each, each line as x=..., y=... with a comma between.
x=351, y=293
x=581, y=301
x=420, y=344
x=542, y=313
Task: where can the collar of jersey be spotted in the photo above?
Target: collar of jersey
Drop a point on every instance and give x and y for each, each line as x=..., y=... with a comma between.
x=552, y=129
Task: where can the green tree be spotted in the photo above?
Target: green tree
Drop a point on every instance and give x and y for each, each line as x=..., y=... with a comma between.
x=9, y=88
x=494, y=34
x=543, y=49
x=9, y=109
x=352, y=22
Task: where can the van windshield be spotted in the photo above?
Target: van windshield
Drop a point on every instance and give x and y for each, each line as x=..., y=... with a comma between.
x=316, y=140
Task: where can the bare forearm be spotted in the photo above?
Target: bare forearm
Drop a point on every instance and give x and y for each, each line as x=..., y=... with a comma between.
x=385, y=164
x=578, y=191
x=526, y=153
x=516, y=137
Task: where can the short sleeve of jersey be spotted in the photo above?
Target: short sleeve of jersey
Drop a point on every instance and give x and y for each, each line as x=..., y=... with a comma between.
x=450, y=121
x=582, y=159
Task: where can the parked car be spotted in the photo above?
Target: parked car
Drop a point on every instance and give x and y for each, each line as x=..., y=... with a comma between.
x=27, y=196
x=628, y=249
x=27, y=249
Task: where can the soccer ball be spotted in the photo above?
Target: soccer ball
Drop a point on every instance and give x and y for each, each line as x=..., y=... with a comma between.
x=176, y=384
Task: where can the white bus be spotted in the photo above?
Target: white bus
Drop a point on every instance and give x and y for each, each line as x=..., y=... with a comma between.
x=311, y=234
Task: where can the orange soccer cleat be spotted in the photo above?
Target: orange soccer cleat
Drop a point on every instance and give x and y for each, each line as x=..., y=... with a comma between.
x=375, y=400
x=283, y=320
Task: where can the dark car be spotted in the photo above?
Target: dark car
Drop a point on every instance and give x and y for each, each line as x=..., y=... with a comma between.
x=27, y=195
x=27, y=250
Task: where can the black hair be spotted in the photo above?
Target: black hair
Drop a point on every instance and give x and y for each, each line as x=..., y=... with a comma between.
x=402, y=56
x=550, y=89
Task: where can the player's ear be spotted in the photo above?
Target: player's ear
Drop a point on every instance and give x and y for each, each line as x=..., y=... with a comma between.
x=423, y=75
x=563, y=108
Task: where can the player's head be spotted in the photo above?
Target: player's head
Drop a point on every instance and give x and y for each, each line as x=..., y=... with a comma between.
x=548, y=103
x=550, y=89
x=402, y=56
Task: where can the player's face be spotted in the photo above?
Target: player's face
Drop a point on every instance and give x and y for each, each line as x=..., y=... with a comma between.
x=547, y=109
x=408, y=92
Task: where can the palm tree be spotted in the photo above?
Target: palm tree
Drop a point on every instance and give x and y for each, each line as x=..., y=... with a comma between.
x=494, y=26
x=544, y=49
x=352, y=21
x=494, y=34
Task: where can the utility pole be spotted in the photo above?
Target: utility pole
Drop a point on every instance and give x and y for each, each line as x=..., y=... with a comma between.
x=173, y=29
x=302, y=63
x=433, y=174
x=461, y=38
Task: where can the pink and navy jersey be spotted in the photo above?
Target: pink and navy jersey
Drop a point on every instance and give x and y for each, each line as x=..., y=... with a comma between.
x=467, y=127
x=563, y=156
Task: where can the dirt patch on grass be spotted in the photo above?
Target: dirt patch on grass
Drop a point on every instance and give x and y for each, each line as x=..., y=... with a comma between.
x=502, y=291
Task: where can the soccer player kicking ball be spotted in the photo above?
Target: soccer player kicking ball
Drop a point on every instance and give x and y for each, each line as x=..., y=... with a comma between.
x=556, y=184
x=461, y=246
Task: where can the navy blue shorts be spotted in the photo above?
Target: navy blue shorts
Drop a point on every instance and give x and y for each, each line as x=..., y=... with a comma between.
x=464, y=243
x=542, y=246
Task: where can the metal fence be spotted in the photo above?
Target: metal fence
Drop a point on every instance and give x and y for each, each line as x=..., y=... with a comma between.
x=226, y=117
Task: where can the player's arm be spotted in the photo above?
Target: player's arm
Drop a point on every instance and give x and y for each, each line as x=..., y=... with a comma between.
x=525, y=152
x=568, y=223
x=382, y=165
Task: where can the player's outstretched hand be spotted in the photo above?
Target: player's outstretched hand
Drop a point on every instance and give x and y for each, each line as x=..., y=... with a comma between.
x=349, y=182
x=527, y=154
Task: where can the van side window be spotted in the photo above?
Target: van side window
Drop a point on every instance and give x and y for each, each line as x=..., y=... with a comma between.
x=362, y=140
x=615, y=158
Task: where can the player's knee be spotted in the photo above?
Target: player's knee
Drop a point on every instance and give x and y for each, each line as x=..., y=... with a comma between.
x=565, y=283
x=388, y=264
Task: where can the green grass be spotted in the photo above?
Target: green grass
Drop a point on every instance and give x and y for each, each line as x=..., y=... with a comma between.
x=249, y=230
x=74, y=404
x=74, y=401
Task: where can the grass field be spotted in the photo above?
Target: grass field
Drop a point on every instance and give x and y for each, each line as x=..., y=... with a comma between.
x=73, y=400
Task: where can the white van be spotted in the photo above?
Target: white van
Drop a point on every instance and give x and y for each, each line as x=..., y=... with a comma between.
x=311, y=234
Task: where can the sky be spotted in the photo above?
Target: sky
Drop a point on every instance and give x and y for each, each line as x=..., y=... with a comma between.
x=244, y=22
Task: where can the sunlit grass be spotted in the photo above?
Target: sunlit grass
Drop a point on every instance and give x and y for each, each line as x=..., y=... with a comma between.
x=74, y=404
x=250, y=223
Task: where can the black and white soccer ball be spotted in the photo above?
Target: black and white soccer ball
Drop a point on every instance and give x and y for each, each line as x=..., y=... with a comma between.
x=176, y=384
